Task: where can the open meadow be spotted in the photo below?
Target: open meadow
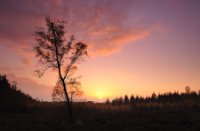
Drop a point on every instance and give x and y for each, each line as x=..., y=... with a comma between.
x=102, y=117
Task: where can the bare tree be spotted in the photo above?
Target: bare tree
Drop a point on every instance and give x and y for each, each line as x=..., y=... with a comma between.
x=53, y=52
x=58, y=93
x=74, y=91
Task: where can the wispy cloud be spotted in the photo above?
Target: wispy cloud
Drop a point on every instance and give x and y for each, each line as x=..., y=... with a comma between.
x=101, y=24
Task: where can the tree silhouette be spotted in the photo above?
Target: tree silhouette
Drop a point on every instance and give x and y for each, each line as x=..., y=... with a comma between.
x=187, y=90
x=132, y=99
x=107, y=102
x=126, y=100
x=74, y=91
x=53, y=52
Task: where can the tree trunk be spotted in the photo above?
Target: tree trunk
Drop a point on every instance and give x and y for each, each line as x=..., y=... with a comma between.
x=62, y=79
x=68, y=100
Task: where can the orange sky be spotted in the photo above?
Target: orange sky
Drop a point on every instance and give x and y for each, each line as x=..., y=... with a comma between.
x=135, y=47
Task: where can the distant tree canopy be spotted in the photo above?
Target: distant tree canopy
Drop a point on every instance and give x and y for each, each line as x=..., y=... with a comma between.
x=11, y=98
x=188, y=96
x=187, y=89
x=126, y=99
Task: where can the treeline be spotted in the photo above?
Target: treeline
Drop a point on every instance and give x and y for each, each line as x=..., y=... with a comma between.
x=191, y=97
x=11, y=98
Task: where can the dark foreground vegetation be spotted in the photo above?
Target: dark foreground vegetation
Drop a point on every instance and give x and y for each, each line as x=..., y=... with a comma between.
x=19, y=112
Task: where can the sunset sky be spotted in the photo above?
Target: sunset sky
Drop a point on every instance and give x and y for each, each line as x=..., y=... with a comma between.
x=135, y=46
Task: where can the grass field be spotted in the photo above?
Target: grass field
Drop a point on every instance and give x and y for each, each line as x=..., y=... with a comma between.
x=101, y=117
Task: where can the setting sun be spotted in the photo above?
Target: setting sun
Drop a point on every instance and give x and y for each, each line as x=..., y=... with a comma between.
x=101, y=93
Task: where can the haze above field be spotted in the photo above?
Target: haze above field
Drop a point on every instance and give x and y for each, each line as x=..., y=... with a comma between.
x=135, y=47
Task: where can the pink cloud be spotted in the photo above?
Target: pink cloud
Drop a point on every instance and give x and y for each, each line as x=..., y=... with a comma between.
x=4, y=69
x=26, y=62
x=101, y=24
x=115, y=43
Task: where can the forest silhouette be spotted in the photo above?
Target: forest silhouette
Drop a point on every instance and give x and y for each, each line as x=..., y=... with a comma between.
x=168, y=111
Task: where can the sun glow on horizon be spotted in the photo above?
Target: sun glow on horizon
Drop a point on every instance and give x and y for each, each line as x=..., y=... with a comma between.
x=101, y=91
